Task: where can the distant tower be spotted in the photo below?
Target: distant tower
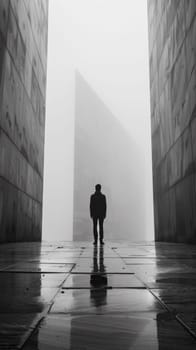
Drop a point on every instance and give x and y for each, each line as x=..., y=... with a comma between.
x=104, y=153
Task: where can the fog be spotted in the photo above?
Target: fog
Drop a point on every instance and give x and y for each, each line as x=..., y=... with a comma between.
x=98, y=78
x=105, y=153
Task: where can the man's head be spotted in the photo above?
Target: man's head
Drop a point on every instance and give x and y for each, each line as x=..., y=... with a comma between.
x=98, y=188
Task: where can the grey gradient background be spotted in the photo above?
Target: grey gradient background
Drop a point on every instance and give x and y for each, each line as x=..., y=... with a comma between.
x=98, y=74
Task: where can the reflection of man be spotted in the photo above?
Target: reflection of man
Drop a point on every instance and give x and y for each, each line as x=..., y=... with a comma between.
x=98, y=279
x=98, y=265
x=98, y=212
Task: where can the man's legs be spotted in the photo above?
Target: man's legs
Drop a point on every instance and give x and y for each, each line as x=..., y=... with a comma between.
x=95, y=229
x=101, y=229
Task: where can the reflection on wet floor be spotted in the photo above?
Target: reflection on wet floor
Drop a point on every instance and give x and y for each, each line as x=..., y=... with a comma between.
x=75, y=296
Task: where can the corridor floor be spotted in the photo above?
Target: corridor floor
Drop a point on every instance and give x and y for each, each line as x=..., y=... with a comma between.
x=145, y=299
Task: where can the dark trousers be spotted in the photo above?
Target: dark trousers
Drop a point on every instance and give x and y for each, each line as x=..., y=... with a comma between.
x=95, y=221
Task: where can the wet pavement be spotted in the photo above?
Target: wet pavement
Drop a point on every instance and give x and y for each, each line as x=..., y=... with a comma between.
x=73, y=296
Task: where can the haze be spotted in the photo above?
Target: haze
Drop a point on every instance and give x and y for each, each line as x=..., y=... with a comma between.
x=106, y=44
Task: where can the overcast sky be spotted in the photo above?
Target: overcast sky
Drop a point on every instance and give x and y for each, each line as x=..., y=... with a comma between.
x=107, y=42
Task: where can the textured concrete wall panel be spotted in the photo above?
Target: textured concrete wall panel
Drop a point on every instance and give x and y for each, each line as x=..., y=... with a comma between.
x=185, y=204
x=23, y=119
x=187, y=155
x=164, y=214
x=4, y=10
x=165, y=121
x=12, y=91
x=172, y=232
x=193, y=134
x=175, y=163
x=17, y=170
x=17, y=215
x=190, y=12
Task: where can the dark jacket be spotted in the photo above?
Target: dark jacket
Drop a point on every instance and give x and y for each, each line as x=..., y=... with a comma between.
x=98, y=205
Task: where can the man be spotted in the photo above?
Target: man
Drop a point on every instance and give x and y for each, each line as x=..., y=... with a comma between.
x=98, y=212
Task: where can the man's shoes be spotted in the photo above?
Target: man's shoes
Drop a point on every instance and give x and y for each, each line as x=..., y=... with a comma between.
x=102, y=242
x=95, y=243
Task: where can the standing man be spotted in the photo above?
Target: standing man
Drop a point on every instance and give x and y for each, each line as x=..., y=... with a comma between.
x=98, y=212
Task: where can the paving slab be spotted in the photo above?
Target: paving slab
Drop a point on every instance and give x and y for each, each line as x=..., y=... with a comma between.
x=106, y=254
x=138, y=331
x=22, y=283
x=179, y=299
x=133, y=252
x=82, y=281
x=108, y=265
x=14, y=328
x=39, y=267
x=174, y=279
x=32, y=300
x=139, y=261
x=189, y=319
x=56, y=260
x=104, y=301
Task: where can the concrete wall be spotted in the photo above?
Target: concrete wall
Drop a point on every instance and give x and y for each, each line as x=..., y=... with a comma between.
x=23, y=51
x=172, y=33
